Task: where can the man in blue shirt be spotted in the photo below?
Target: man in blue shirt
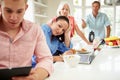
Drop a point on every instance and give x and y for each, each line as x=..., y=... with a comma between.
x=97, y=22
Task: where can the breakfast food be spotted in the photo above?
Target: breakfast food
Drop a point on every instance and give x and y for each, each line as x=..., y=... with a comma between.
x=112, y=38
x=71, y=60
x=83, y=50
x=73, y=50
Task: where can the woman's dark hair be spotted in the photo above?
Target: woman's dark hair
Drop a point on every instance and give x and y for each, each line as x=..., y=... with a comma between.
x=61, y=37
x=62, y=18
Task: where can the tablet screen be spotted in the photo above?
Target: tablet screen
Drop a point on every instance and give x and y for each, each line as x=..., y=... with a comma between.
x=6, y=74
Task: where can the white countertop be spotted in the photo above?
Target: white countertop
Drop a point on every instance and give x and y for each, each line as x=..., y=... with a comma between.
x=105, y=66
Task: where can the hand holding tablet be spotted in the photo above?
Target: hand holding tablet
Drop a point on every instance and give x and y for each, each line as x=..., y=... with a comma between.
x=7, y=74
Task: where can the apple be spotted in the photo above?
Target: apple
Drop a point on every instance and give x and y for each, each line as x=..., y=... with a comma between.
x=110, y=43
x=118, y=42
x=114, y=42
x=107, y=42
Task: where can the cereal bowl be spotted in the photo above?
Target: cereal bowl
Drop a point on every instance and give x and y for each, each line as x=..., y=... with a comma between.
x=71, y=60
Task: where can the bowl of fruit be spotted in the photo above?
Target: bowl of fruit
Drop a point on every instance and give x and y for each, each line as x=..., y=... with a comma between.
x=112, y=41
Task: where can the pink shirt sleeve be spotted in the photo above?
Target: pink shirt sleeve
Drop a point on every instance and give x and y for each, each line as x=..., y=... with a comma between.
x=44, y=57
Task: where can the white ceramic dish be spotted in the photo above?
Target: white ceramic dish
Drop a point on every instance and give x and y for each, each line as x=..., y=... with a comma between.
x=71, y=60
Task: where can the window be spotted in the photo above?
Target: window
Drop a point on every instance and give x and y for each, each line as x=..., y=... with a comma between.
x=77, y=2
x=83, y=7
x=117, y=21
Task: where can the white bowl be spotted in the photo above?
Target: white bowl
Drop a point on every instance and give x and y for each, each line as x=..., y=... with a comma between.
x=71, y=60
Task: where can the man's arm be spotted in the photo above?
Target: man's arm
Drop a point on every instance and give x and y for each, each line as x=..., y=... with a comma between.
x=108, y=31
x=83, y=24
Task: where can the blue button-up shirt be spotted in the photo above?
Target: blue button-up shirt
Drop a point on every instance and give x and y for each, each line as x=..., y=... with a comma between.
x=98, y=24
x=53, y=44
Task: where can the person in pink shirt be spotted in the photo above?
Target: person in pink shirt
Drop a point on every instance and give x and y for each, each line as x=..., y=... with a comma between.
x=20, y=40
x=64, y=10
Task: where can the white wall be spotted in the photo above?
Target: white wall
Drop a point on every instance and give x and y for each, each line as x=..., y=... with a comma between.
x=50, y=10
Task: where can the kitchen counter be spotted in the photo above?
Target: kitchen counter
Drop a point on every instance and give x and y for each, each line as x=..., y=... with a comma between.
x=105, y=66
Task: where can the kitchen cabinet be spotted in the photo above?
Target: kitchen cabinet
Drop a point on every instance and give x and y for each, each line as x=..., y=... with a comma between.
x=37, y=11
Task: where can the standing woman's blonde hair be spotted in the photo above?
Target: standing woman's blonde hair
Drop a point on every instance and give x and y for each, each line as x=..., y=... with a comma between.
x=61, y=5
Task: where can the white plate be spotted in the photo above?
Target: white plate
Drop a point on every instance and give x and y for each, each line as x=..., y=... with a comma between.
x=82, y=52
x=118, y=46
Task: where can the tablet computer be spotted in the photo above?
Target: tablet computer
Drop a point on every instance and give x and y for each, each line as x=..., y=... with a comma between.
x=7, y=74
